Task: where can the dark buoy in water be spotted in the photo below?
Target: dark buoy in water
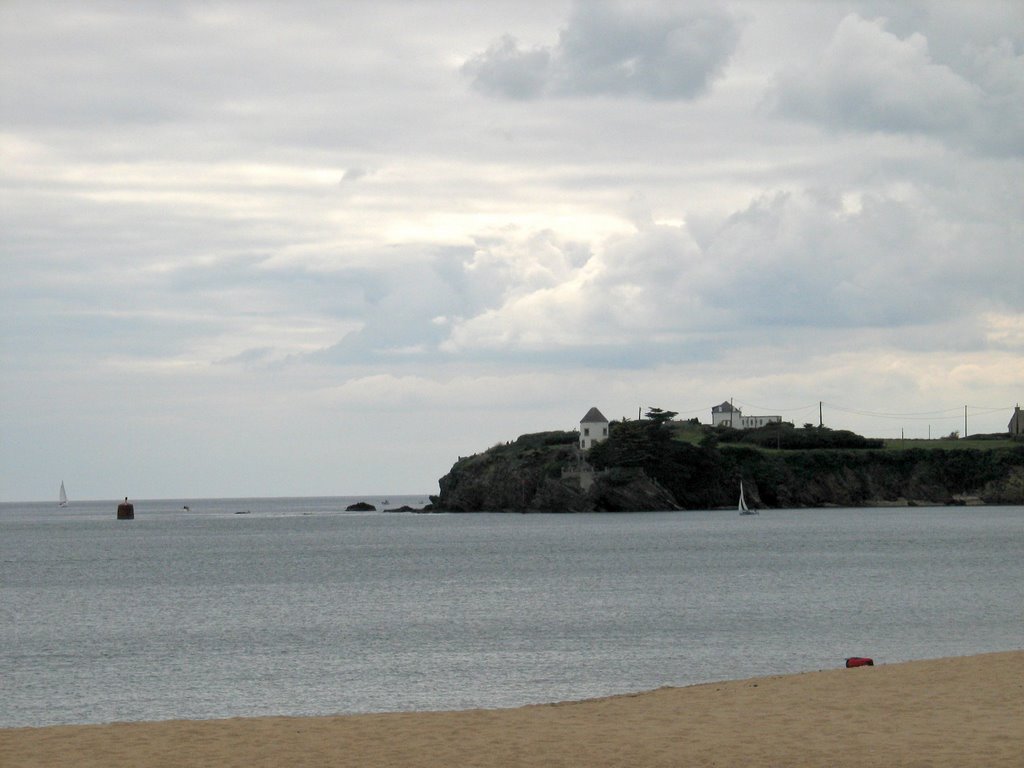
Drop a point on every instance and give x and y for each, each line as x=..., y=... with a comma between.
x=125, y=510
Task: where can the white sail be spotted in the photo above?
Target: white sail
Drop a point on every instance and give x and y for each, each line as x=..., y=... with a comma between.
x=742, y=506
x=63, y=495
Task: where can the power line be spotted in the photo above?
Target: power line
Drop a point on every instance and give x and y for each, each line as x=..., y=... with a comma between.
x=778, y=410
x=947, y=413
x=978, y=410
x=913, y=415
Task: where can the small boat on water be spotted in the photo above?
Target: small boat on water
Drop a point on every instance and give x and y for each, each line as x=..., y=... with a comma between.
x=742, y=506
x=63, y=495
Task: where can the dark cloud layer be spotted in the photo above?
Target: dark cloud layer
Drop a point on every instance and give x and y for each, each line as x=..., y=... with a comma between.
x=670, y=52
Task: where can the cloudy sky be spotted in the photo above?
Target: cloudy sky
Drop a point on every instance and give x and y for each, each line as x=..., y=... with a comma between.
x=303, y=248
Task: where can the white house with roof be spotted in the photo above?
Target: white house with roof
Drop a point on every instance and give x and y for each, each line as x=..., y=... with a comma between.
x=724, y=414
x=728, y=415
x=1016, y=425
x=593, y=429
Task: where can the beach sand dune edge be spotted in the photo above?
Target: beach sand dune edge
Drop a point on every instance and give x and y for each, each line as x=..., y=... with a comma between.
x=965, y=711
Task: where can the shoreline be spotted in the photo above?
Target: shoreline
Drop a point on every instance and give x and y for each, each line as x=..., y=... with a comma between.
x=960, y=711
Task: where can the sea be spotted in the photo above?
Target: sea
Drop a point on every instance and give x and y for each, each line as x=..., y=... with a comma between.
x=216, y=608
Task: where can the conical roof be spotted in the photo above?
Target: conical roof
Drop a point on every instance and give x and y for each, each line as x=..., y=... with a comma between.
x=593, y=415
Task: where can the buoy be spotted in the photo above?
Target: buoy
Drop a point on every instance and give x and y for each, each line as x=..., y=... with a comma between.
x=860, y=661
x=125, y=510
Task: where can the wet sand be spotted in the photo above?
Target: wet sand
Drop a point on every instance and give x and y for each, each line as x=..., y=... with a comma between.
x=946, y=712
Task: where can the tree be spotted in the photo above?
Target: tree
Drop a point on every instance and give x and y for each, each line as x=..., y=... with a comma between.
x=659, y=416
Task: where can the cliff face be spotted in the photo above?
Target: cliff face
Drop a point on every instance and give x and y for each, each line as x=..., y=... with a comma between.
x=867, y=478
x=538, y=473
x=532, y=477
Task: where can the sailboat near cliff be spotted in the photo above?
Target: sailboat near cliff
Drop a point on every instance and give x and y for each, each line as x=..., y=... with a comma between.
x=742, y=506
x=63, y=495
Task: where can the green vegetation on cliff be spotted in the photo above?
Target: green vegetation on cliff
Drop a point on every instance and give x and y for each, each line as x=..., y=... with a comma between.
x=656, y=464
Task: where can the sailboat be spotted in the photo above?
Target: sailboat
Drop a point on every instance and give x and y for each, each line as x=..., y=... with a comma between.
x=742, y=506
x=63, y=495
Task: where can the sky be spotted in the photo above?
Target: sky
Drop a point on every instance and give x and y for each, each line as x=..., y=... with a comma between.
x=327, y=248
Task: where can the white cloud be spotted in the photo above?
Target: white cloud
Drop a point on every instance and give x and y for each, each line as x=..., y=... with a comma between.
x=518, y=263
x=786, y=261
x=868, y=78
x=632, y=288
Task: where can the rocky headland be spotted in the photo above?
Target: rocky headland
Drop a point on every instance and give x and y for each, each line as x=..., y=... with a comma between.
x=643, y=466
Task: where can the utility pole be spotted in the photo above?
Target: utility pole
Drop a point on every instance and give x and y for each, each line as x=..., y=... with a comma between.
x=821, y=421
x=965, y=422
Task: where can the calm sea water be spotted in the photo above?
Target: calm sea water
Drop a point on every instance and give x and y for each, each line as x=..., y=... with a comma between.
x=299, y=608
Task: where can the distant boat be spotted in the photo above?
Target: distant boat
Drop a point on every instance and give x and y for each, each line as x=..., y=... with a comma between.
x=63, y=495
x=742, y=506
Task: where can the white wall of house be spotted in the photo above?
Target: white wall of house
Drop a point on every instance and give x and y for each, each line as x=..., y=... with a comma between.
x=728, y=415
x=753, y=422
x=593, y=429
x=592, y=433
x=726, y=419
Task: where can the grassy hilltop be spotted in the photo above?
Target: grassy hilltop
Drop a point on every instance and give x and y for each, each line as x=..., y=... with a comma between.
x=655, y=465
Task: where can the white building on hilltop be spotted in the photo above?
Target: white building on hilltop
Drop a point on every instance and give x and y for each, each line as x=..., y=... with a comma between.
x=593, y=429
x=728, y=415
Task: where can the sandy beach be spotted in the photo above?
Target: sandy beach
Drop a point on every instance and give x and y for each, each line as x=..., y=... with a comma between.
x=946, y=712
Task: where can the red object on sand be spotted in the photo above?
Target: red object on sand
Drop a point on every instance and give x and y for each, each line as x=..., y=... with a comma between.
x=860, y=661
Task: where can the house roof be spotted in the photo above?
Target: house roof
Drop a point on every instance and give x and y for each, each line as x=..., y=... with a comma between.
x=725, y=407
x=593, y=415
